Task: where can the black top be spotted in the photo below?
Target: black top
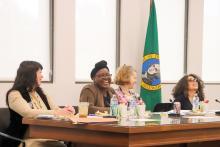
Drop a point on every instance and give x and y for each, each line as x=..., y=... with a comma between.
x=107, y=100
x=16, y=128
x=185, y=102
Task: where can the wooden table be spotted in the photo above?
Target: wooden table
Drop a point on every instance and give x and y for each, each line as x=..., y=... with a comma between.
x=165, y=131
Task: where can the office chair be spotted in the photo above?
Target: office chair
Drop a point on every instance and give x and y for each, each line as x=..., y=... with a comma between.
x=4, y=123
x=13, y=138
x=163, y=107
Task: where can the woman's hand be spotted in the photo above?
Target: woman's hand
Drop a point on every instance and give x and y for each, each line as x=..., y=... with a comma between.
x=67, y=110
x=206, y=101
x=70, y=109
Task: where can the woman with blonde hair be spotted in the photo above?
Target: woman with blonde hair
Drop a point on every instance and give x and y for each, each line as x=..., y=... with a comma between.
x=126, y=78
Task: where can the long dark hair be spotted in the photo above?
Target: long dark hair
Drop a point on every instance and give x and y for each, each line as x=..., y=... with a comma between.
x=181, y=87
x=25, y=80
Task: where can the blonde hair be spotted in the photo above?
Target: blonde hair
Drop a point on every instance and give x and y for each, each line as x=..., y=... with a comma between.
x=123, y=75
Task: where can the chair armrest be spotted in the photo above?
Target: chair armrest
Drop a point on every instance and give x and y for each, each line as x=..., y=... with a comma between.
x=13, y=138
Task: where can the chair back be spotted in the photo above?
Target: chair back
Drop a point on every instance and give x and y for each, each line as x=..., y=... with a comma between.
x=163, y=107
x=4, y=120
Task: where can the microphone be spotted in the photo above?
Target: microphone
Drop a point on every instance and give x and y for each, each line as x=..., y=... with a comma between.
x=217, y=100
x=217, y=112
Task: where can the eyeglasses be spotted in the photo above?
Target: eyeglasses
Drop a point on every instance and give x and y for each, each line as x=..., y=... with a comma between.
x=192, y=80
x=104, y=75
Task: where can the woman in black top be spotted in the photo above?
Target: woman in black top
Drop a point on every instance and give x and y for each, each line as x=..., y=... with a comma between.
x=26, y=99
x=186, y=88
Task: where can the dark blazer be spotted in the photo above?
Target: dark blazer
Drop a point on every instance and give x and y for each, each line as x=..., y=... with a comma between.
x=185, y=102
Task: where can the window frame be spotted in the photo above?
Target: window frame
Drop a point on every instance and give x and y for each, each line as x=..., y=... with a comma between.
x=185, y=58
x=118, y=18
x=51, y=45
x=216, y=82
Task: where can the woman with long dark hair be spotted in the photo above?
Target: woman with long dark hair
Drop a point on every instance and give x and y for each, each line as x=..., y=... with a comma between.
x=187, y=87
x=27, y=99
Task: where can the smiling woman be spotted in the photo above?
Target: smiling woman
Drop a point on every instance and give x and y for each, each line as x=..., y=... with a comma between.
x=98, y=93
x=26, y=99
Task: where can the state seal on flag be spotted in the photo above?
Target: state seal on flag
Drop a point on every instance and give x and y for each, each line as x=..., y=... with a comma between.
x=151, y=72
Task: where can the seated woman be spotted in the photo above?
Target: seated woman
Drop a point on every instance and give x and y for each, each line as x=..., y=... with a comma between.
x=27, y=99
x=98, y=93
x=187, y=87
x=126, y=78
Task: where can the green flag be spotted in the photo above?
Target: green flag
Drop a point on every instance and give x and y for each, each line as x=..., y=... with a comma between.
x=151, y=83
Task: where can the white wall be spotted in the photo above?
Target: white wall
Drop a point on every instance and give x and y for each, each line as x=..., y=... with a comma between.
x=133, y=27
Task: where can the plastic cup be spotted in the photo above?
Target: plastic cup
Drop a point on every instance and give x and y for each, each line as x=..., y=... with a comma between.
x=140, y=111
x=83, y=109
x=122, y=111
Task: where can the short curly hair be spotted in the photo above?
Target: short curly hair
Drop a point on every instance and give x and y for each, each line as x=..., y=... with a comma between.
x=123, y=75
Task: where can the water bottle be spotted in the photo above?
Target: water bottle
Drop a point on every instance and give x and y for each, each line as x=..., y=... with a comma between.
x=114, y=106
x=195, y=103
x=132, y=107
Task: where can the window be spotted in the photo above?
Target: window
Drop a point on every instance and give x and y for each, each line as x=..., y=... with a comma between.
x=211, y=39
x=171, y=30
x=95, y=36
x=25, y=35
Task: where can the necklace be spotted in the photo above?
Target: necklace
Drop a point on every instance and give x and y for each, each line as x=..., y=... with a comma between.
x=128, y=93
